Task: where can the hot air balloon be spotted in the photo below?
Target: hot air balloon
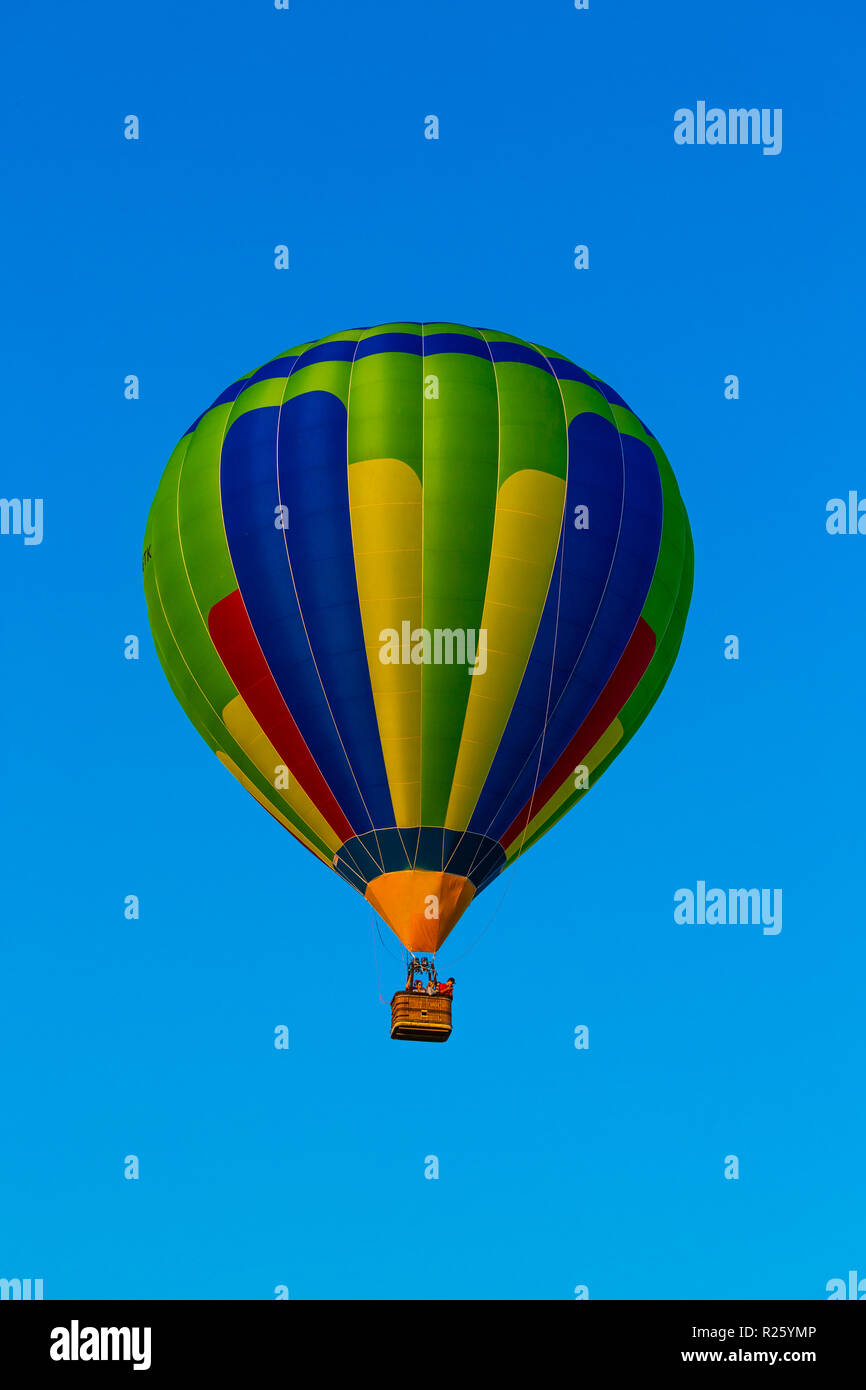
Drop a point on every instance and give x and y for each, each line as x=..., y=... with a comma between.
x=417, y=585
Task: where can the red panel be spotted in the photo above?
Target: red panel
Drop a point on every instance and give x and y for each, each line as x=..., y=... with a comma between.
x=622, y=684
x=233, y=636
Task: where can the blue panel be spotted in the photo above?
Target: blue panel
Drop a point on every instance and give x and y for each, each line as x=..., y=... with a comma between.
x=314, y=485
x=389, y=342
x=568, y=371
x=518, y=352
x=455, y=342
x=582, y=615
x=584, y=558
x=248, y=481
x=280, y=366
x=329, y=352
x=591, y=652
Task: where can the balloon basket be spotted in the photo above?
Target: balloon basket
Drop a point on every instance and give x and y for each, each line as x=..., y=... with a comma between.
x=417, y=1017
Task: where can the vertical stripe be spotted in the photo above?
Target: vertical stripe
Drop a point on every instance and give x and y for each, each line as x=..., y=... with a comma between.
x=385, y=501
x=386, y=506
x=461, y=435
x=584, y=560
x=525, y=540
x=251, y=497
x=618, y=608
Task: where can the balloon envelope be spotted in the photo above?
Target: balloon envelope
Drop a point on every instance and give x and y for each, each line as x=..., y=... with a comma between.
x=417, y=586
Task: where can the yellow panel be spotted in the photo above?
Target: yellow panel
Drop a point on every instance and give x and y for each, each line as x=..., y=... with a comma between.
x=597, y=754
x=263, y=801
x=247, y=732
x=525, y=539
x=387, y=527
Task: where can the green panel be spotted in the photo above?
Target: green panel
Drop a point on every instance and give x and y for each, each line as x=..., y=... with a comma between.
x=461, y=432
x=580, y=398
x=259, y=396
x=675, y=549
x=386, y=409
x=203, y=550
x=532, y=426
x=413, y=328
x=320, y=376
x=198, y=519
x=431, y=328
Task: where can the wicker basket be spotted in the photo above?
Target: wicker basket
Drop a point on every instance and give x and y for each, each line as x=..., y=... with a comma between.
x=419, y=1017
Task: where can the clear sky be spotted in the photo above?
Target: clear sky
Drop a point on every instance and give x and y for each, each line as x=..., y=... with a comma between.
x=558, y=1167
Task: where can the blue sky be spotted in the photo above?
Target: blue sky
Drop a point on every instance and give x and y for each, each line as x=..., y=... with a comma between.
x=558, y=1167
